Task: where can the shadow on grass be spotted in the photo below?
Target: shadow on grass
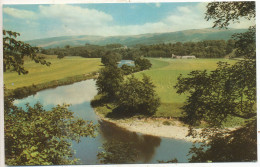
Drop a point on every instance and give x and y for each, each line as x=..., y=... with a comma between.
x=100, y=100
x=107, y=106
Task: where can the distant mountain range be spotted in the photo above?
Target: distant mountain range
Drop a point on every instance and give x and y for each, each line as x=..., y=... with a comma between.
x=194, y=35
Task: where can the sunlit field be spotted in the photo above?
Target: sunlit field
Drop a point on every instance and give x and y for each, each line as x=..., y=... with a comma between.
x=164, y=74
x=59, y=69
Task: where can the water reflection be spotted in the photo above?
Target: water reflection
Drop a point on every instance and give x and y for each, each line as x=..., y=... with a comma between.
x=144, y=144
x=70, y=94
x=127, y=62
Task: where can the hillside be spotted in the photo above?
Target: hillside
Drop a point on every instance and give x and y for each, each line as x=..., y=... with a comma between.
x=147, y=39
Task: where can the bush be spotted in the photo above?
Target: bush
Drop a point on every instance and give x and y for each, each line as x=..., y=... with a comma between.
x=142, y=64
x=138, y=96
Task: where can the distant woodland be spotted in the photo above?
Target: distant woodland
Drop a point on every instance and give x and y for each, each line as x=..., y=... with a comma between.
x=203, y=49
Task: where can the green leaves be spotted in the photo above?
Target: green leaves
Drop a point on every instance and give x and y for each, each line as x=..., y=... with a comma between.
x=225, y=12
x=138, y=96
x=15, y=51
x=142, y=64
x=109, y=80
x=226, y=91
x=40, y=137
x=111, y=58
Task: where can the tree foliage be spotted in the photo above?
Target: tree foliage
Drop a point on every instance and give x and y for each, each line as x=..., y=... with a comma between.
x=201, y=49
x=14, y=52
x=137, y=96
x=142, y=64
x=111, y=58
x=225, y=12
x=109, y=80
x=239, y=145
x=228, y=91
x=38, y=137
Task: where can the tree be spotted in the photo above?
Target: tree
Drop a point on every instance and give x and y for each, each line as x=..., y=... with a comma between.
x=38, y=137
x=143, y=64
x=126, y=69
x=138, y=96
x=109, y=80
x=14, y=52
x=111, y=58
x=61, y=55
x=214, y=97
x=228, y=91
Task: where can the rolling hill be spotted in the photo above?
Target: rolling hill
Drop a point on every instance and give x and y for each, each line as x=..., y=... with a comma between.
x=194, y=35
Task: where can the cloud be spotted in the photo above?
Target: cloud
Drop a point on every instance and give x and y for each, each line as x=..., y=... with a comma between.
x=74, y=20
x=184, y=9
x=75, y=14
x=21, y=14
x=157, y=5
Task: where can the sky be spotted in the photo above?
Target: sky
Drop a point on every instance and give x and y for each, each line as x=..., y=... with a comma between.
x=111, y=19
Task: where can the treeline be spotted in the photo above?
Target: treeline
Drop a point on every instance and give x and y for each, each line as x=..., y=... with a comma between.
x=203, y=49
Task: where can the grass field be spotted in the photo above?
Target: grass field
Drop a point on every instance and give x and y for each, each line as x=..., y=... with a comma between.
x=59, y=69
x=164, y=74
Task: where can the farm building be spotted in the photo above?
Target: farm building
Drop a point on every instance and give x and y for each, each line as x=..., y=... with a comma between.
x=183, y=57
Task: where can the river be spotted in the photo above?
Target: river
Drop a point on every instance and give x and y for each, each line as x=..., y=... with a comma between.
x=150, y=148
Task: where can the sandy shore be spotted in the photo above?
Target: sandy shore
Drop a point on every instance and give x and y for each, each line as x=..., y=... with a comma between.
x=154, y=127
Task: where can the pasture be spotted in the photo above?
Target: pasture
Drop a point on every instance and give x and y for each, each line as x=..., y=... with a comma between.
x=58, y=70
x=164, y=74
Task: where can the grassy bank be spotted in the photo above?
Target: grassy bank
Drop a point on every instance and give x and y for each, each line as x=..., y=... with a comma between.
x=61, y=72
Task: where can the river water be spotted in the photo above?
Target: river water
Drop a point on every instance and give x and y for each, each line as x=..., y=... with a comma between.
x=150, y=148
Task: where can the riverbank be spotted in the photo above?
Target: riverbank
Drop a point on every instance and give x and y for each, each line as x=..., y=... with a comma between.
x=25, y=91
x=155, y=127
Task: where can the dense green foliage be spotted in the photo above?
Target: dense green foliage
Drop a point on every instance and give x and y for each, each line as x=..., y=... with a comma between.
x=226, y=91
x=142, y=64
x=130, y=96
x=227, y=146
x=38, y=137
x=109, y=80
x=137, y=96
x=111, y=58
x=203, y=49
x=14, y=52
x=88, y=51
x=126, y=69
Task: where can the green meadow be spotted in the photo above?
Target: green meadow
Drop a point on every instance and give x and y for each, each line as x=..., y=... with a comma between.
x=164, y=74
x=59, y=69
